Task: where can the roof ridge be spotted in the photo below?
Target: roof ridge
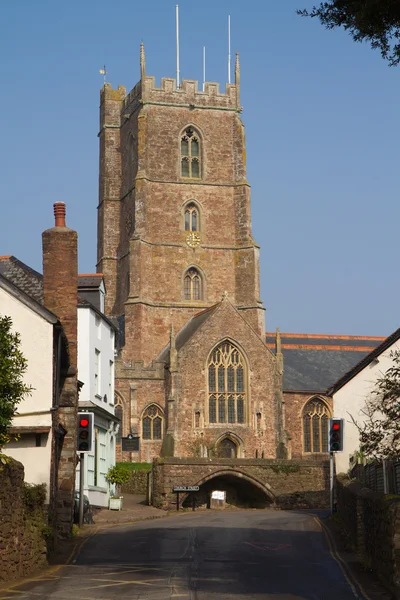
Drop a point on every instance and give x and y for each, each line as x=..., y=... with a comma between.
x=327, y=336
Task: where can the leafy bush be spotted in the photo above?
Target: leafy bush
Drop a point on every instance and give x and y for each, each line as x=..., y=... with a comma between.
x=117, y=475
x=34, y=495
x=129, y=466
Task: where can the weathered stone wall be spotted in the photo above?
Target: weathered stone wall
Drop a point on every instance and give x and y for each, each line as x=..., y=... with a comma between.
x=288, y=484
x=137, y=483
x=372, y=523
x=22, y=543
x=294, y=405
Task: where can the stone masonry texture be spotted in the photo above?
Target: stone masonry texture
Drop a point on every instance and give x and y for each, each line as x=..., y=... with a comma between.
x=22, y=544
x=144, y=255
x=60, y=281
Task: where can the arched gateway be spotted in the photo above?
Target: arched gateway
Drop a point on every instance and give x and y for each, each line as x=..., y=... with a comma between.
x=241, y=489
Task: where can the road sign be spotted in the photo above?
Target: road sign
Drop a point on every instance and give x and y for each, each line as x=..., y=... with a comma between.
x=186, y=488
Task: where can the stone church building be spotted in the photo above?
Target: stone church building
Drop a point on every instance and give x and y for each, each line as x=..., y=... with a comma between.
x=196, y=374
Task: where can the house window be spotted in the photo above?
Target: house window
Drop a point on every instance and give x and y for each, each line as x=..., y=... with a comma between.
x=152, y=423
x=192, y=221
x=197, y=419
x=226, y=385
x=315, y=426
x=192, y=285
x=97, y=372
x=190, y=154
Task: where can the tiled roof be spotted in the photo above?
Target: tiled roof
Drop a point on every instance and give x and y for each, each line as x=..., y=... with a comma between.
x=313, y=362
x=23, y=277
x=389, y=341
x=90, y=280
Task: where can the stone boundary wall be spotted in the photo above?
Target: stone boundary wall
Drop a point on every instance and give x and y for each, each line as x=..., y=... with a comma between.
x=137, y=483
x=288, y=484
x=371, y=521
x=22, y=543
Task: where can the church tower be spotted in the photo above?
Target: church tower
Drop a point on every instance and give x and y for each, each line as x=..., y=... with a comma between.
x=181, y=269
x=174, y=222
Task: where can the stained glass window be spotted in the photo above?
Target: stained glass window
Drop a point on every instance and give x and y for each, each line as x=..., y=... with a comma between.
x=190, y=154
x=152, y=423
x=315, y=426
x=226, y=365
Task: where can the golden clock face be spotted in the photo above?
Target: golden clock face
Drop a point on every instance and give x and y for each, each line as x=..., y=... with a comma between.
x=193, y=239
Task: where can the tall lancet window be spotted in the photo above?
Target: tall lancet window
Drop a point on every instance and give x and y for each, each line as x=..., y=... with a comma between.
x=190, y=154
x=315, y=426
x=192, y=285
x=192, y=218
x=227, y=391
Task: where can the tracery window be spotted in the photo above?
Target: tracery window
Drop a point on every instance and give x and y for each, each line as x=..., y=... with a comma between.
x=152, y=423
x=190, y=154
x=192, y=218
x=119, y=415
x=315, y=426
x=226, y=385
x=192, y=285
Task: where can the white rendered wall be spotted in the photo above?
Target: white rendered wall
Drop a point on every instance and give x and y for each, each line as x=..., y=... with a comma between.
x=350, y=400
x=94, y=333
x=37, y=347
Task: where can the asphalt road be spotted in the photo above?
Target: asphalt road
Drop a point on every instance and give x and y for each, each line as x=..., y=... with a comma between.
x=235, y=555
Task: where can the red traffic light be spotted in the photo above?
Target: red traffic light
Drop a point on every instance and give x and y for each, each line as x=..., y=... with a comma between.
x=336, y=426
x=84, y=423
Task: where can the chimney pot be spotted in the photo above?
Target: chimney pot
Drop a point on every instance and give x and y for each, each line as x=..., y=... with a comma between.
x=59, y=214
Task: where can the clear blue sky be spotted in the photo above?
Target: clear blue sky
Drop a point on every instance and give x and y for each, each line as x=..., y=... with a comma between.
x=322, y=127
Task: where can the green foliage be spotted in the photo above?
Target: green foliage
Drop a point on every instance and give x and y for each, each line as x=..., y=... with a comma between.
x=118, y=475
x=13, y=365
x=380, y=431
x=292, y=468
x=34, y=496
x=128, y=466
x=374, y=21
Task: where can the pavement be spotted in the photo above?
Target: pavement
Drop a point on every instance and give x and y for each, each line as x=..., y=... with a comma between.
x=206, y=555
x=134, y=508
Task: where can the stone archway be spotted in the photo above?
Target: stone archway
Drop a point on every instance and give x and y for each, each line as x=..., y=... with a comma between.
x=242, y=490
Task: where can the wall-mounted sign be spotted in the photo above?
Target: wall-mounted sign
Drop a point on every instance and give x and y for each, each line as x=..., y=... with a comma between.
x=216, y=495
x=130, y=443
x=186, y=488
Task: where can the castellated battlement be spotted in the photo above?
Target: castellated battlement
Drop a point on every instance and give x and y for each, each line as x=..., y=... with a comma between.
x=137, y=370
x=188, y=94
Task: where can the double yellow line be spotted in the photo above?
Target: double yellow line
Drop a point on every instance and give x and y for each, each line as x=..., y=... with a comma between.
x=348, y=575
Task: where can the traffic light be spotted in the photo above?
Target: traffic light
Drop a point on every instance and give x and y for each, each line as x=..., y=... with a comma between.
x=335, y=435
x=85, y=432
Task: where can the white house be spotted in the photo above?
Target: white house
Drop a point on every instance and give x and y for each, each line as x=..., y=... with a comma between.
x=33, y=421
x=352, y=390
x=96, y=347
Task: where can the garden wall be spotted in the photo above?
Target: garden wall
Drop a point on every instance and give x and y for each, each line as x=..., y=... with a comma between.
x=371, y=521
x=22, y=524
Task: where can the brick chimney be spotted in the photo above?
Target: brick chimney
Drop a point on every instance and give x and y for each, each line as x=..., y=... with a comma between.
x=60, y=288
x=60, y=276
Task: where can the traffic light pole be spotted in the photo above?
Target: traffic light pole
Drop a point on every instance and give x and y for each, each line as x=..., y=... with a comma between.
x=81, y=486
x=331, y=482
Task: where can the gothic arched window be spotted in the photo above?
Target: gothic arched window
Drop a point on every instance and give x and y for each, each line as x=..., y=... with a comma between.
x=152, y=423
x=315, y=426
x=192, y=285
x=119, y=415
x=192, y=217
x=226, y=385
x=190, y=154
